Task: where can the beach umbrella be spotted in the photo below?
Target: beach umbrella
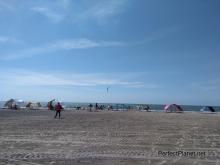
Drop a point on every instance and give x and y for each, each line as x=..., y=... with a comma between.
x=173, y=107
x=166, y=107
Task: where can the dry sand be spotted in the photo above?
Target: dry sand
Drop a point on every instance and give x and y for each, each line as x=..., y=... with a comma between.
x=108, y=138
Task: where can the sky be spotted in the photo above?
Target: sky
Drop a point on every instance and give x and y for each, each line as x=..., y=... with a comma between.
x=143, y=51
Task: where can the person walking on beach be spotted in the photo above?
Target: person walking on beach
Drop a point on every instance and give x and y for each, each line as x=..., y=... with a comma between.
x=90, y=107
x=58, y=108
x=96, y=106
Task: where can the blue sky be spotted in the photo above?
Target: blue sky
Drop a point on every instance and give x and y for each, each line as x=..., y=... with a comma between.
x=146, y=51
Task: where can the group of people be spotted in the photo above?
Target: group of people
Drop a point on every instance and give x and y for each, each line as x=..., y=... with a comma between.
x=58, y=107
x=99, y=107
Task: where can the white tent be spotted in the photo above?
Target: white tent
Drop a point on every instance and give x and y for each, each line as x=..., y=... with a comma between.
x=32, y=105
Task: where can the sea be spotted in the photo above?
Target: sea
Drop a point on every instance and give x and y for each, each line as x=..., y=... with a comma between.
x=124, y=106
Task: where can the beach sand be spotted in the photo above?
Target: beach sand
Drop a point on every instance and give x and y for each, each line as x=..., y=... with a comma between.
x=108, y=138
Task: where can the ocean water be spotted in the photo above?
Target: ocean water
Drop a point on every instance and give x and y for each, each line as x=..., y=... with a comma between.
x=122, y=106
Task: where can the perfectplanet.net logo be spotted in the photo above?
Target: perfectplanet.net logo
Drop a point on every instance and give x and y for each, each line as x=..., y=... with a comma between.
x=191, y=154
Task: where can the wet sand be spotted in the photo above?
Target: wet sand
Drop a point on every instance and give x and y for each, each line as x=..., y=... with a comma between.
x=108, y=138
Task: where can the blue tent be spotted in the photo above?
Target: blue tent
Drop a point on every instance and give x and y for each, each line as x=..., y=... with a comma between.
x=208, y=108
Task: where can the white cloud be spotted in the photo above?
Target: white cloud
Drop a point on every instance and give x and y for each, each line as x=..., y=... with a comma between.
x=5, y=5
x=5, y=39
x=74, y=44
x=209, y=85
x=103, y=9
x=27, y=78
x=157, y=35
x=83, y=44
x=80, y=12
x=54, y=16
x=73, y=11
x=69, y=44
x=25, y=84
x=64, y=3
x=26, y=53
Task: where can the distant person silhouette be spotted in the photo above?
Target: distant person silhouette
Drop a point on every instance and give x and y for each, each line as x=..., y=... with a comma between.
x=90, y=107
x=96, y=106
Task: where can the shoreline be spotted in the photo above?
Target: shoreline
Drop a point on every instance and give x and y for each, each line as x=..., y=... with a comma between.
x=114, y=110
x=116, y=106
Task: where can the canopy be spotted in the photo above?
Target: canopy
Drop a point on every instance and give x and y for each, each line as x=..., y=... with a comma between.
x=32, y=105
x=173, y=108
x=11, y=104
x=50, y=105
x=208, y=108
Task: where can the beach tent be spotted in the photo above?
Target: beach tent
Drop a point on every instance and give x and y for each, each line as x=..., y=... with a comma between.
x=11, y=104
x=20, y=103
x=32, y=105
x=208, y=108
x=173, y=108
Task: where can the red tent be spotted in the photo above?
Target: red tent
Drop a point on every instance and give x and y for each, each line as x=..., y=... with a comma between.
x=173, y=108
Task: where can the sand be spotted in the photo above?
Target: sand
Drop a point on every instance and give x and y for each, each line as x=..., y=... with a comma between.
x=107, y=138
